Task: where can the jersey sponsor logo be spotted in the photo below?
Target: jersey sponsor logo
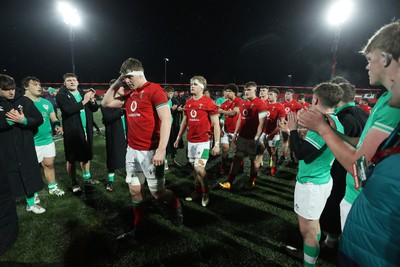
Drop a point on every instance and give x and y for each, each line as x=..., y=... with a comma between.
x=193, y=113
x=287, y=110
x=268, y=113
x=133, y=106
x=245, y=112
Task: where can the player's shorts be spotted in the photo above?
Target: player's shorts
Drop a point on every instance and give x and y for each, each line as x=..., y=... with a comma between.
x=139, y=168
x=344, y=211
x=245, y=147
x=198, y=153
x=275, y=141
x=46, y=151
x=310, y=199
x=262, y=138
x=227, y=138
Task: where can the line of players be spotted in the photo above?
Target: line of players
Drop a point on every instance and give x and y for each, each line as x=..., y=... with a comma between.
x=252, y=124
x=241, y=124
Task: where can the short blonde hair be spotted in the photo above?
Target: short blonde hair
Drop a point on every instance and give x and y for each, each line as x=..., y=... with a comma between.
x=201, y=79
x=386, y=39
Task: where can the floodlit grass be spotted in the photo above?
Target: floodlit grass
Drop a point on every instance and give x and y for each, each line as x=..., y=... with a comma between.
x=238, y=228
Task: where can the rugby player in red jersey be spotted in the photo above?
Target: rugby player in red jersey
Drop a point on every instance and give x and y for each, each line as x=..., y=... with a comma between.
x=230, y=108
x=149, y=123
x=249, y=127
x=200, y=113
x=302, y=100
x=276, y=111
x=291, y=105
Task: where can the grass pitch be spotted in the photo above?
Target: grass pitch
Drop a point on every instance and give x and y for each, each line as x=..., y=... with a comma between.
x=238, y=228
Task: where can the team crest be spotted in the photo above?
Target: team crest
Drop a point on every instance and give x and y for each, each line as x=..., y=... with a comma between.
x=46, y=107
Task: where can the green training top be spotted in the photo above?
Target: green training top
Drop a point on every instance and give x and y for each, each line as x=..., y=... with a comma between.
x=78, y=98
x=382, y=117
x=318, y=171
x=43, y=136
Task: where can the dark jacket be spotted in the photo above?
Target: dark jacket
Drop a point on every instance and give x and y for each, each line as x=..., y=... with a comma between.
x=8, y=212
x=353, y=119
x=115, y=137
x=18, y=148
x=174, y=113
x=77, y=146
x=370, y=237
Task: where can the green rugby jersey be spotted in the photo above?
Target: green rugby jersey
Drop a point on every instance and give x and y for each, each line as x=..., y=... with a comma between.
x=43, y=136
x=319, y=170
x=382, y=117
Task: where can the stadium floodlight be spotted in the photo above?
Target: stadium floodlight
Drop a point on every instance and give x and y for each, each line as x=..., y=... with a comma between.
x=72, y=19
x=339, y=12
x=70, y=14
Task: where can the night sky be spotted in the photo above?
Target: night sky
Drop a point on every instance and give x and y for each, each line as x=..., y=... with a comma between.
x=226, y=41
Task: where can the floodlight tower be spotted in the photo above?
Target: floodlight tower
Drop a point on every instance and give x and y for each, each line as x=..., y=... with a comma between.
x=165, y=70
x=72, y=19
x=338, y=14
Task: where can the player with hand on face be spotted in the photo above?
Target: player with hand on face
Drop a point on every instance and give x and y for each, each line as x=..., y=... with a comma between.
x=147, y=113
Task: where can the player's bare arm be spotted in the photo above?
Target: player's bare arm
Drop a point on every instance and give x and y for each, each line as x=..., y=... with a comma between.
x=164, y=113
x=112, y=97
